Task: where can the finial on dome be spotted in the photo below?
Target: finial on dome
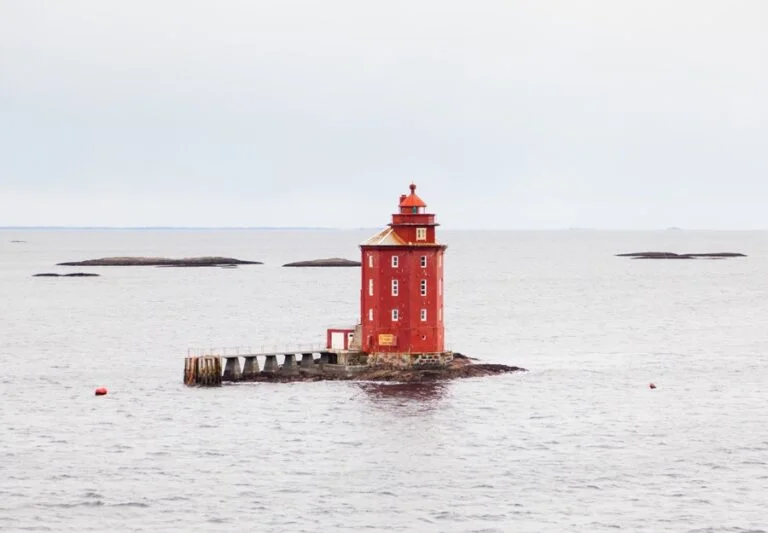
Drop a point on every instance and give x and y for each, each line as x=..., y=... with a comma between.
x=411, y=201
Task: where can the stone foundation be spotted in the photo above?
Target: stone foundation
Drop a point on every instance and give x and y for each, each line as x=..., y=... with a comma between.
x=414, y=360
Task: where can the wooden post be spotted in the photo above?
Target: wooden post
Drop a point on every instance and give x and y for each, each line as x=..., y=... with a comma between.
x=202, y=371
x=190, y=365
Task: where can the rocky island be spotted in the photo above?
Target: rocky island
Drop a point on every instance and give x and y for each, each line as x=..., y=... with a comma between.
x=671, y=255
x=394, y=375
x=162, y=261
x=206, y=371
x=331, y=262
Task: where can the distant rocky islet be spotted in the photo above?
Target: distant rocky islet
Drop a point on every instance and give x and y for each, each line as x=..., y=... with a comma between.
x=330, y=262
x=230, y=262
x=68, y=275
x=208, y=261
x=672, y=255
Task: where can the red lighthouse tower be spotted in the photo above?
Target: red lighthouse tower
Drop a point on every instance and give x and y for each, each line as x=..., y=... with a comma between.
x=401, y=303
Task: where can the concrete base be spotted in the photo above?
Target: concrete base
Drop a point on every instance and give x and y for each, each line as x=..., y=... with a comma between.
x=307, y=364
x=232, y=369
x=271, y=366
x=290, y=368
x=251, y=367
x=343, y=370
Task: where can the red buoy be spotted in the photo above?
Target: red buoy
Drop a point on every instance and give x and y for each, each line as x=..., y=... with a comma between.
x=651, y=386
x=101, y=391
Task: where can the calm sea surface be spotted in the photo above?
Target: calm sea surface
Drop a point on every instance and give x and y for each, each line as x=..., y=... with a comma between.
x=579, y=443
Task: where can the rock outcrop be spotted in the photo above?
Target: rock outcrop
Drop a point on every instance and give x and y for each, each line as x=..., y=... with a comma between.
x=161, y=261
x=671, y=255
x=70, y=275
x=455, y=371
x=332, y=262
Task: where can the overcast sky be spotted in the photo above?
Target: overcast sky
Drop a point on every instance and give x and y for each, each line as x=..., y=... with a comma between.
x=508, y=114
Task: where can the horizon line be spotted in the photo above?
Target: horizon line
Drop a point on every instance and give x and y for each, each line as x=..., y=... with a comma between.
x=332, y=228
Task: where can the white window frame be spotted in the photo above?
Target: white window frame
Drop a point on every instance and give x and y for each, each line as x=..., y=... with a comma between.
x=423, y=261
x=395, y=261
x=421, y=234
x=395, y=287
x=395, y=315
x=370, y=260
x=423, y=287
x=423, y=315
x=370, y=315
x=370, y=287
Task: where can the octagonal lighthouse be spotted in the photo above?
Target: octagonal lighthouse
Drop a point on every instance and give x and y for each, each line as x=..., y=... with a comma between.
x=401, y=297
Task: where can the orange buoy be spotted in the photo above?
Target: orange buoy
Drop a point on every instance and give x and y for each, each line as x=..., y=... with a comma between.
x=652, y=386
x=101, y=391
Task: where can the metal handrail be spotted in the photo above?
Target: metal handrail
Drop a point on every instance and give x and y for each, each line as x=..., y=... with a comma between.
x=264, y=349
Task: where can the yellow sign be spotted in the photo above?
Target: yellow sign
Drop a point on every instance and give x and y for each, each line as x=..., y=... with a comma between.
x=386, y=339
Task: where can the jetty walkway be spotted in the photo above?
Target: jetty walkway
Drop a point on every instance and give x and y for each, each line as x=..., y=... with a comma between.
x=203, y=366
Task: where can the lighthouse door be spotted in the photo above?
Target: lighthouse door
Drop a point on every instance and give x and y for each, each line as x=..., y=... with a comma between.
x=337, y=340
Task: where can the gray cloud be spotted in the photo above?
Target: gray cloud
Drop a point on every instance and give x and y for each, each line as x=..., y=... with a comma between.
x=507, y=114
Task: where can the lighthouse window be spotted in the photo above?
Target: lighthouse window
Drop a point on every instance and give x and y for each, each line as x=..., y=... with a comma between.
x=421, y=234
x=395, y=261
x=423, y=315
x=370, y=287
x=423, y=261
x=370, y=260
x=440, y=287
x=423, y=288
x=370, y=315
x=440, y=315
x=395, y=315
x=395, y=287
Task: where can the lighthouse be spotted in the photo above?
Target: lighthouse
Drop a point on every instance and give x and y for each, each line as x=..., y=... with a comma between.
x=400, y=336
x=401, y=297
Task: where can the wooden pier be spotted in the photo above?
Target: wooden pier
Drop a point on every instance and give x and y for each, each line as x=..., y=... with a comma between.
x=203, y=371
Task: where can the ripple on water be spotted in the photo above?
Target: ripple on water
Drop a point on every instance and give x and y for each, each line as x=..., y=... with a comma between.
x=141, y=505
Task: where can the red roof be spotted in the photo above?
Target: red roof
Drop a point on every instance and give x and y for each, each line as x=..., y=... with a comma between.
x=412, y=200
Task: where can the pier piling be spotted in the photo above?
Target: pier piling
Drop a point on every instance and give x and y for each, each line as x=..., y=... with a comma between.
x=271, y=366
x=232, y=371
x=251, y=368
x=290, y=368
x=307, y=363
